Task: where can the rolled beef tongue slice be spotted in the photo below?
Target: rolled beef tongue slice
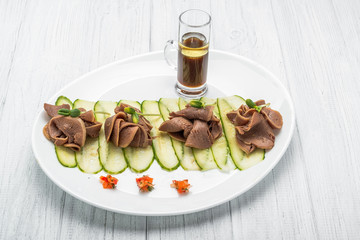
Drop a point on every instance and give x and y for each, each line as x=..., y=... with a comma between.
x=215, y=129
x=72, y=129
x=181, y=126
x=124, y=133
x=200, y=136
x=92, y=126
x=273, y=117
x=88, y=116
x=114, y=137
x=247, y=148
x=93, y=129
x=257, y=133
x=241, y=116
x=127, y=134
x=109, y=124
x=189, y=112
x=142, y=120
x=52, y=110
x=176, y=124
x=254, y=129
x=73, y=146
x=177, y=127
x=140, y=138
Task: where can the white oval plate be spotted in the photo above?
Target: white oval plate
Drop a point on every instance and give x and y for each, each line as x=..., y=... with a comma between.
x=148, y=77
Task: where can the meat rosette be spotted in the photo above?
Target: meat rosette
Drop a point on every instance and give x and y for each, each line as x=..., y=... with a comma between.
x=70, y=131
x=255, y=129
x=196, y=127
x=122, y=131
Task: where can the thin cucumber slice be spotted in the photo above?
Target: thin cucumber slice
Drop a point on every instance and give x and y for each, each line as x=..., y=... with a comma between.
x=138, y=159
x=220, y=149
x=184, y=154
x=182, y=103
x=135, y=104
x=253, y=158
x=65, y=155
x=203, y=157
x=63, y=100
x=88, y=157
x=240, y=159
x=111, y=157
x=162, y=145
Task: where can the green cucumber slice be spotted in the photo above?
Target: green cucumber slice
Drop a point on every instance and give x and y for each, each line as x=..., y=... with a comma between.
x=203, y=157
x=162, y=145
x=240, y=159
x=63, y=100
x=135, y=104
x=138, y=159
x=88, y=157
x=111, y=157
x=184, y=154
x=220, y=149
x=65, y=155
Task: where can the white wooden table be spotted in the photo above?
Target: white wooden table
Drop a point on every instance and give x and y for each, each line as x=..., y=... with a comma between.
x=312, y=46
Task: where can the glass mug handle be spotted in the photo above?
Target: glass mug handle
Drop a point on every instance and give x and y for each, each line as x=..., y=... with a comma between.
x=171, y=44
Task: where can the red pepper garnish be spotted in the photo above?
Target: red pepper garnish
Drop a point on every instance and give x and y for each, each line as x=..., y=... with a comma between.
x=109, y=181
x=181, y=186
x=145, y=183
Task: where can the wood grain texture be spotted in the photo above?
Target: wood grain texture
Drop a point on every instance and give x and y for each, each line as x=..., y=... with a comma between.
x=312, y=46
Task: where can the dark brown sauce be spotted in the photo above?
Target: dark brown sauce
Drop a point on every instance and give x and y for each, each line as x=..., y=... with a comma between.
x=193, y=60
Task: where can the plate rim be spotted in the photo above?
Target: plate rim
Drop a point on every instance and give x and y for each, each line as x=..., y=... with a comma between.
x=192, y=210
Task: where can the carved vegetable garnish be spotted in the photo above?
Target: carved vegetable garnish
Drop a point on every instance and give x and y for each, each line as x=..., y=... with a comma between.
x=145, y=183
x=108, y=181
x=181, y=186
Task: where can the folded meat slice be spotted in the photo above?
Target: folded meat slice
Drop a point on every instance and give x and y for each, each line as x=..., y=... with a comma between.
x=215, y=128
x=254, y=129
x=142, y=138
x=110, y=124
x=92, y=126
x=177, y=127
x=242, y=116
x=191, y=113
x=200, y=136
x=197, y=127
x=273, y=117
x=122, y=132
x=127, y=132
x=66, y=131
x=255, y=134
x=142, y=120
x=52, y=110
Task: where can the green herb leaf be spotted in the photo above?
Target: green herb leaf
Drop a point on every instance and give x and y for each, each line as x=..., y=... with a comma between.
x=64, y=112
x=75, y=113
x=197, y=104
x=250, y=103
x=135, y=117
x=129, y=110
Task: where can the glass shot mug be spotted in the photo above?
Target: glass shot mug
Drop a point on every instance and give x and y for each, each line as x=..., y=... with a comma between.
x=193, y=53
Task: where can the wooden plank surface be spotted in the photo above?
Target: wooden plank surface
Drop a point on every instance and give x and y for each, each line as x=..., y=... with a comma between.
x=312, y=46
